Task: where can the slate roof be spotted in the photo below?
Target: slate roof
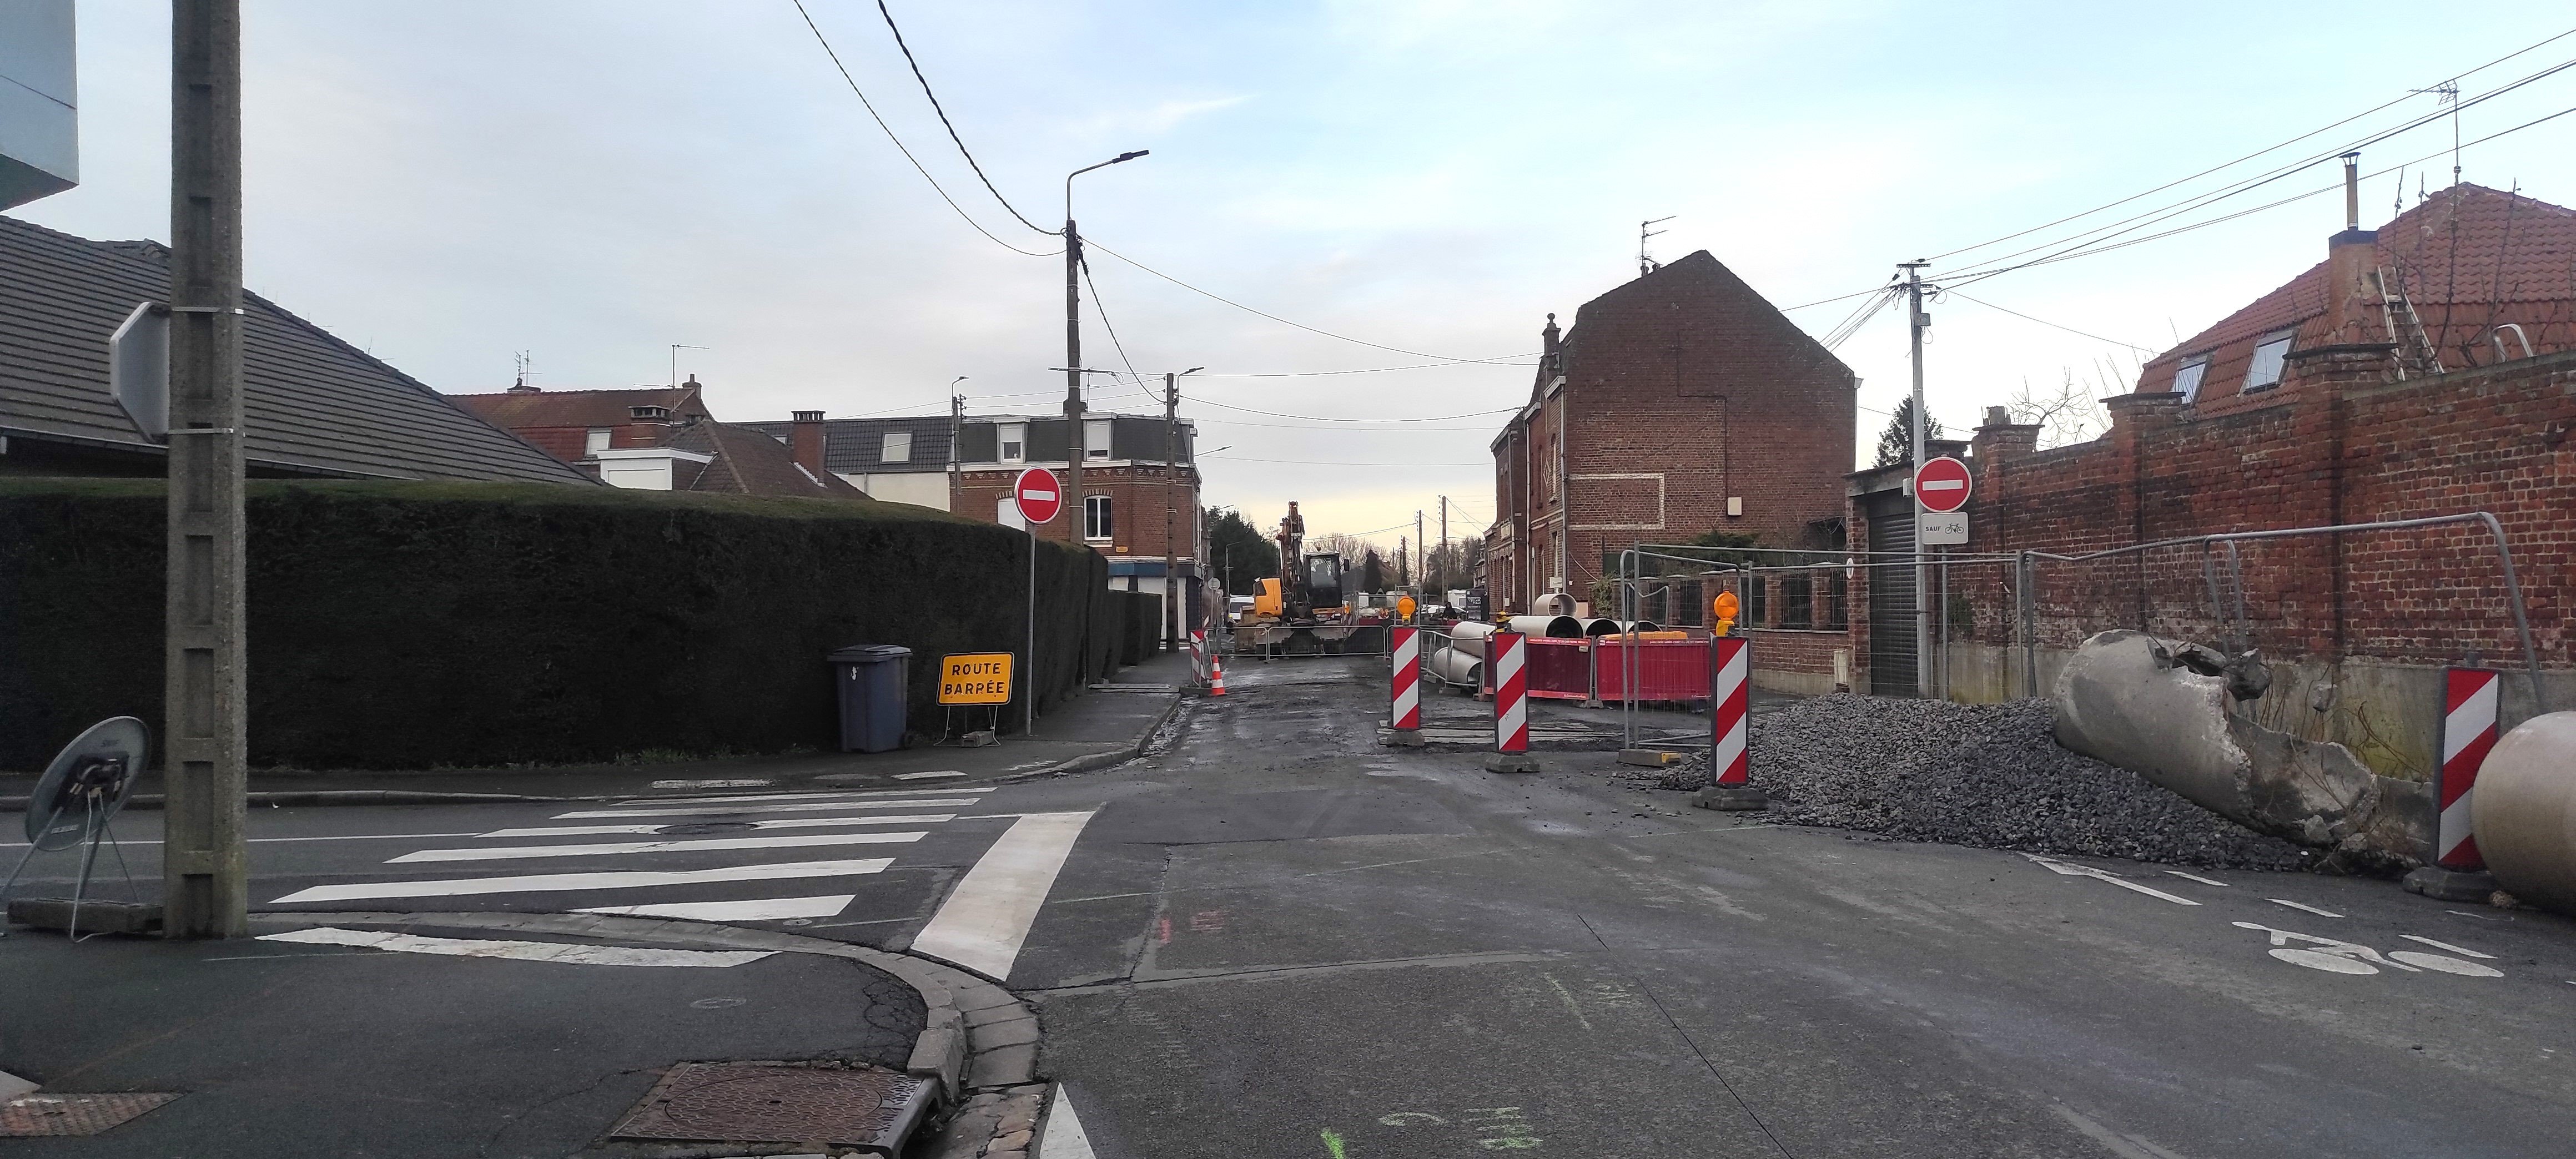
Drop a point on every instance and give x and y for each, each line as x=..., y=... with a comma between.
x=2514, y=261
x=749, y=462
x=312, y=404
x=856, y=446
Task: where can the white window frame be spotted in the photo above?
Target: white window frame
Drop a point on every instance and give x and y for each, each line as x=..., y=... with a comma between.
x=897, y=447
x=1011, y=441
x=598, y=439
x=2280, y=361
x=1096, y=437
x=2189, y=375
x=1099, y=518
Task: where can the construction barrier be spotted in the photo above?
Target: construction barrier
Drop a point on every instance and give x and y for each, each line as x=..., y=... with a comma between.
x=1731, y=676
x=1406, y=685
x=1559, y=669
x=2466, y=734
x=1665, y=670
x=1511, y=710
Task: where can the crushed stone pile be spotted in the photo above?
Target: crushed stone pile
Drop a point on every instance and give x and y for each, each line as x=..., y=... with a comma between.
x=1984, y=775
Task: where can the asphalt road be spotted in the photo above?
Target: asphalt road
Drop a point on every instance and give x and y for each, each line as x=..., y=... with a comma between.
x=1274, y=938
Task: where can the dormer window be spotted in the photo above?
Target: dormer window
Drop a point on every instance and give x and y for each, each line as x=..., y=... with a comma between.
x=2187, y=377
x=2270, y=356
x=648, y=413
x=897, y=448
x=1013, y=437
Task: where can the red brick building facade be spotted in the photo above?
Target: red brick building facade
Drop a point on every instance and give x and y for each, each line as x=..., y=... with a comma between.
x=1680, y=403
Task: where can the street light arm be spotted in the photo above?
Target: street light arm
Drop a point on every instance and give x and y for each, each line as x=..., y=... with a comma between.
x=1068, y=178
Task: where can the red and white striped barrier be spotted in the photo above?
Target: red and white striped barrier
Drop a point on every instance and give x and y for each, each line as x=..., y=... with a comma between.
x=1730, y=703
x=1406, y=695
x=1198, y=656
x=2468, y=731
x=1511, y=704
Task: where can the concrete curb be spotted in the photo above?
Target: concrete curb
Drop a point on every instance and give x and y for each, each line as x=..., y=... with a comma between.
x=283, y=798
x=979, y=1041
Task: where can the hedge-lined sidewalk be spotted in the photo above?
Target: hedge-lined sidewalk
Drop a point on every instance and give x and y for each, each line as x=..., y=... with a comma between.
x=1097, y=729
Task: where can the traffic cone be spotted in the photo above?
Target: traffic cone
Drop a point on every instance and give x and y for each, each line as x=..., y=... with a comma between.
x=1218, y=688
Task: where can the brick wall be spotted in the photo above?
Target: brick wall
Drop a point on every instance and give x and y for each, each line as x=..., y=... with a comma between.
x=1136, y=501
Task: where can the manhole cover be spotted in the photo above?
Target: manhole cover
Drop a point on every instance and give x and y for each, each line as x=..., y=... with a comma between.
x=692, y=828
x=30, y=1115
x=780, y=1102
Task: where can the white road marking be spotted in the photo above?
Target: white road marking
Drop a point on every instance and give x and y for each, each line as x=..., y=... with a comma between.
x=565, y=952
x=768, y=909
x=268, y=840
x=2323, y=913
x=2463, y=950
x=617, y=848
x=986, y=918
x=2195, y=877
x=835, y=795
x=2445, y=963
x=1064, y=1137
x=554, y=882
x=2124, y=1146
x=714, y=783
x=804, y=807
x=656, y=827
x=925, y=776
x=2073, y=870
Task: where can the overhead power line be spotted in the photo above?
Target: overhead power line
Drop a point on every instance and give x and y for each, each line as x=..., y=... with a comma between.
x=1331, y=419
x=1286, y=322
x=2053, y=325
x=952, y=126
x=1362, y=370
x=1321, y=463
x=846, y=78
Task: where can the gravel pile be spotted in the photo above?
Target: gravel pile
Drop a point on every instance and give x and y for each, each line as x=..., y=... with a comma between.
x=1984, y=775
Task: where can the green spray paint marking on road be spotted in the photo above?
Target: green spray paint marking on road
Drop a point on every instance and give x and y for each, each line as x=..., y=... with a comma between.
x=1333, y=1143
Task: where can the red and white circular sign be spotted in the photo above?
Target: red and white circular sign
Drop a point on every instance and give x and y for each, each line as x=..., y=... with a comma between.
x=1040, y=497
x=1942, y=485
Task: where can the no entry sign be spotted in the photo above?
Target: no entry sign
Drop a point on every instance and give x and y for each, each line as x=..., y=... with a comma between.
x=1040, y=497
x=1942, y=485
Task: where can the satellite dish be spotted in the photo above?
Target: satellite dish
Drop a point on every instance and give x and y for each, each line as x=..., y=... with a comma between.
x=87, y=784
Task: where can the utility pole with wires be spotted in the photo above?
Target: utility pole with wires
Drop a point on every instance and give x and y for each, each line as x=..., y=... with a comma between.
x=1171, y=474
x=1646, y=263
x=1422, y=562
x=1916, y=322
x=1073, y=406
x=956, y=423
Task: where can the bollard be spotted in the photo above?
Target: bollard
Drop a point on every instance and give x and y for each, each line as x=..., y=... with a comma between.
x=2466, y=734
x=1730, y=704
x=1507, y=653
x=1404, y=685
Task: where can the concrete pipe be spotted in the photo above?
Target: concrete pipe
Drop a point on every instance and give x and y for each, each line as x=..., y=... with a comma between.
x=1553, y=604
x=2524, y=811
x=1468, y=636
x=1452, y=666
x=1552, y=627
x=1614, y=627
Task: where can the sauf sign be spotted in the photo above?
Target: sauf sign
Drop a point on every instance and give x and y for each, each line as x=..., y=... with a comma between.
x=1941, y=489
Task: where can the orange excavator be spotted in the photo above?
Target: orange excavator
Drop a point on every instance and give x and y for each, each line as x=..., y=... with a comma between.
x=1302, y=610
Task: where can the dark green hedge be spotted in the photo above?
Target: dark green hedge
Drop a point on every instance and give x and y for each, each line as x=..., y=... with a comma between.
x=413, y=625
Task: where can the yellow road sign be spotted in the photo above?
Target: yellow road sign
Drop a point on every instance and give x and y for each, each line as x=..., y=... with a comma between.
x=975, y=678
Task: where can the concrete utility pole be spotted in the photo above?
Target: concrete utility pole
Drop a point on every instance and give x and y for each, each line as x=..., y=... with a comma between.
x=956, y=424
x=1171, y=470
x=1421, y=562
x=1443, y=556
x=205, y=884
x=1915, y=322
x=1073, y=407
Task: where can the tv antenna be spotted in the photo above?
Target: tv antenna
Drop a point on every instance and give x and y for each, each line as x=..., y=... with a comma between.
x=525, y=366
x=78, y=796
x=2449, y=92
x=1646, y=263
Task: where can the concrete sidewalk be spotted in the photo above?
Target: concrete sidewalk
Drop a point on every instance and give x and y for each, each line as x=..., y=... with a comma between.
x=1110, y=723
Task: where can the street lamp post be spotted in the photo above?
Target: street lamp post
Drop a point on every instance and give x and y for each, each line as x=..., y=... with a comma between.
x=1171, y=470
x=1073, y=344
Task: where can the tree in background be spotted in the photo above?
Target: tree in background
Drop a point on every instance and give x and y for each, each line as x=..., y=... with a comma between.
x=1372, y=573
x=2072, y=413
x=1352, y=547
x=1896, y=443
x=1242, y=555
x=1452, y=565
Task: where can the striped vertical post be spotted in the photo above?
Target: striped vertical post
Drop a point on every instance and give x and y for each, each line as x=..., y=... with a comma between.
x=1198, y=656
x=1405, y=711
x=1730, y=700
x=2467, y=732
x=1511, y=684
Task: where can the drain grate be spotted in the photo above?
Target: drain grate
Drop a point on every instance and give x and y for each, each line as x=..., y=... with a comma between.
x=694, y=828
x=780, y=1102
x=32, y=1115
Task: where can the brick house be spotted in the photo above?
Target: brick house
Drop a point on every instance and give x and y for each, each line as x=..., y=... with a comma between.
x=654, y=439
x=1631, y=434
x=2427, y=368
x=1138, y=502
x=895, y=460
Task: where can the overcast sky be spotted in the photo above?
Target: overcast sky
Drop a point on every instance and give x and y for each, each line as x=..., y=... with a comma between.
x=449, y=183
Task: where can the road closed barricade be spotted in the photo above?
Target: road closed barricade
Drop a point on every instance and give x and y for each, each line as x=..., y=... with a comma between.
x=1664, y=670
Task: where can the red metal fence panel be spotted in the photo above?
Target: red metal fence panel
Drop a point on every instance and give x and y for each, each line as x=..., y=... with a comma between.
x=1666, y=670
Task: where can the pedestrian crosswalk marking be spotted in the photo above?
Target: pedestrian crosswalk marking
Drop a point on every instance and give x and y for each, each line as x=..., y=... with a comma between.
x=926, y=790
x=765, y=909
x=656, y=827
x=615, y=848
x=557, y=882
x=562, y=952
x=799, y=807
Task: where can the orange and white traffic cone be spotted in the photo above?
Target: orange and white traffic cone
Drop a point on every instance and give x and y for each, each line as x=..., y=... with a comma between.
x=1218, y=687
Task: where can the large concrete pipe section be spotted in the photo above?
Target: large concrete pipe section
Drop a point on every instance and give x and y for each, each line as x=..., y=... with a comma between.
x=1553, y=604
x=1469, y=636
x=2524, y=811
x=1552, y=627
x=1452, y=666
x=1601, y=627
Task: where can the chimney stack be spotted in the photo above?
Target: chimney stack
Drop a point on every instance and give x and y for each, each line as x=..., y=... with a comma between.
x=2351, y=258
x=805, y=440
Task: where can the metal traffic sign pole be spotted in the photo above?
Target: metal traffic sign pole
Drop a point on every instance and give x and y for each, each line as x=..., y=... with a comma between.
x=1040, y=498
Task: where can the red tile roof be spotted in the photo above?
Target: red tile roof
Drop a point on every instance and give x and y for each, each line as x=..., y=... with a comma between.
x=579, y=408
x=2470, y=258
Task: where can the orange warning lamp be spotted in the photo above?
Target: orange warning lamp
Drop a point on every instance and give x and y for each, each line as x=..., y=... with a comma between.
x=1724, y=607
x=1404, y=607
